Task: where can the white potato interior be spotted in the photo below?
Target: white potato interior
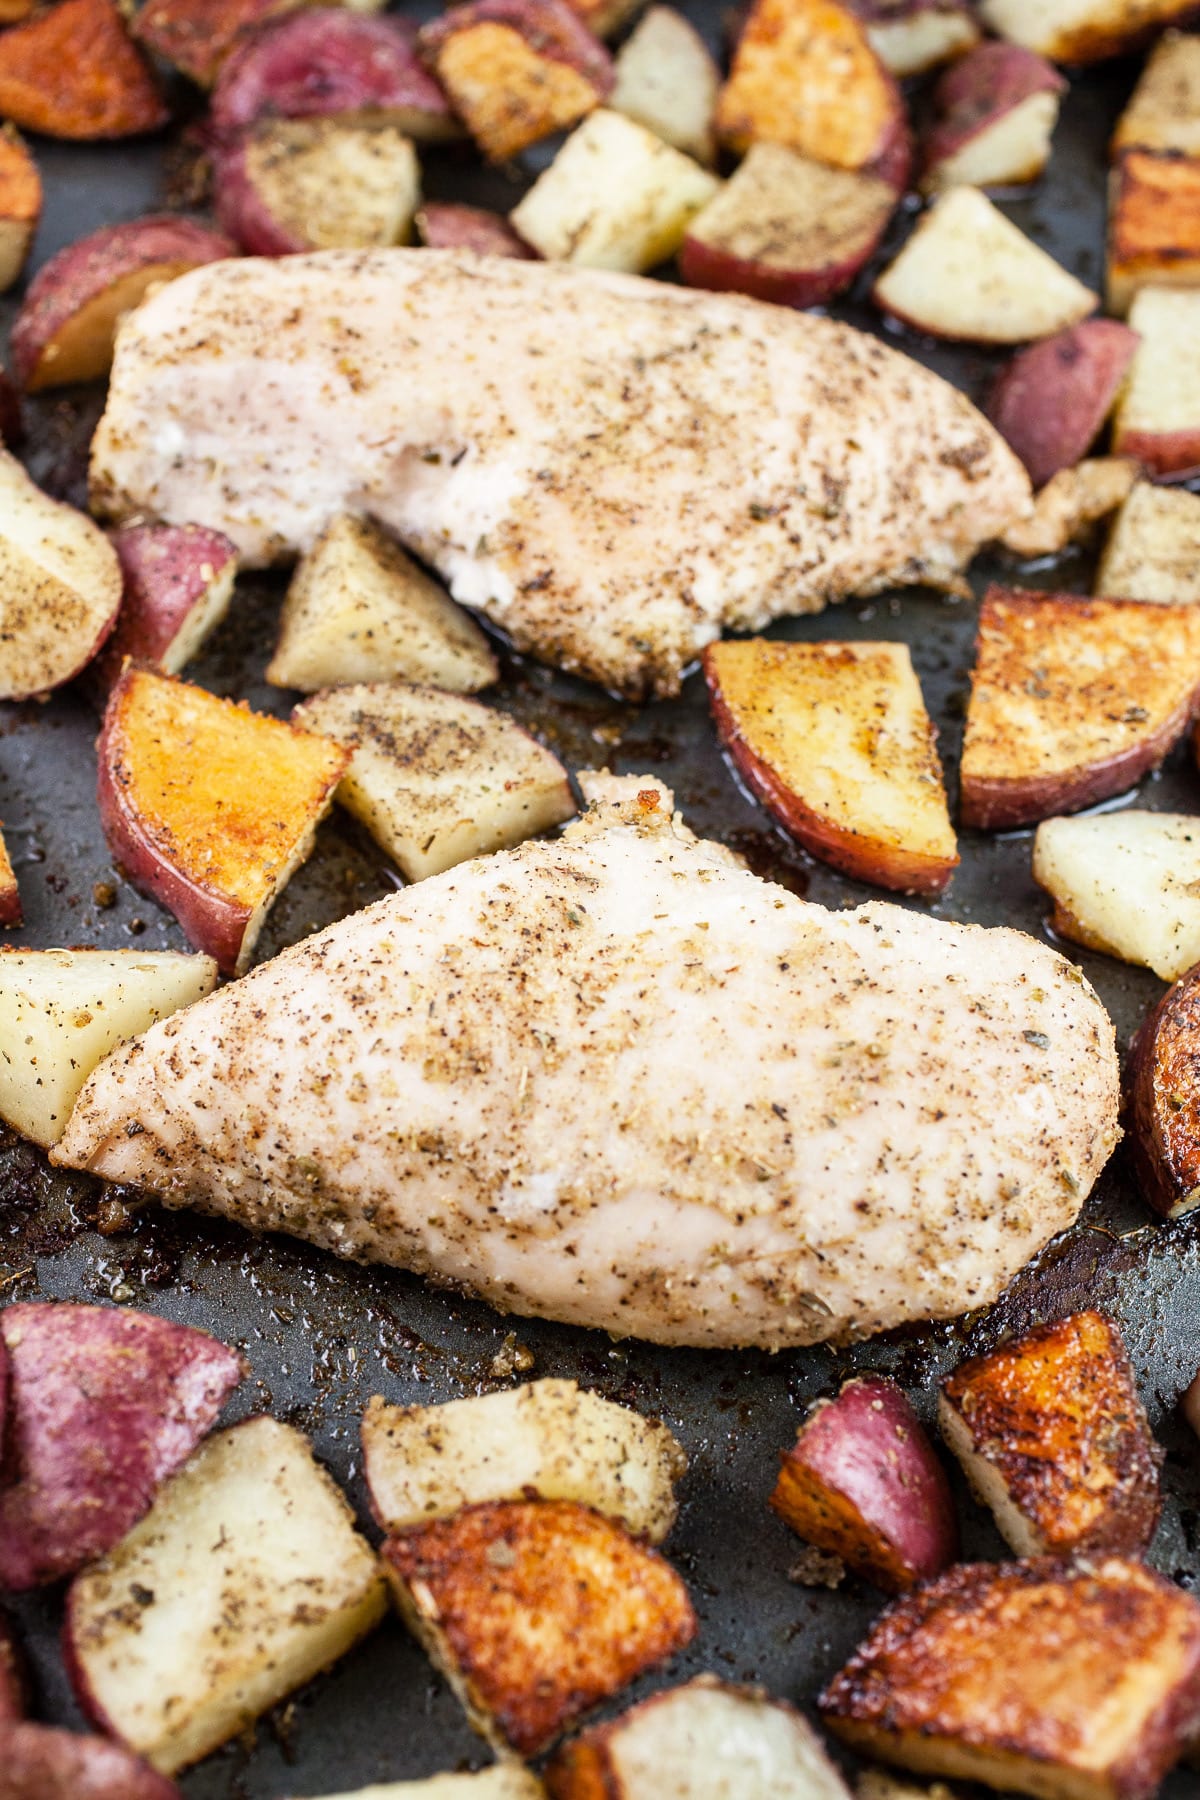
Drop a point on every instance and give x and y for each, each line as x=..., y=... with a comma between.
x=437, y=778
x=16, y=235
x=668, y=81
x=1014, y=147
x=615, y=197
x=506, y=1781
x=923, y=38
x=1153, y=550
x=245, y=1578
x=337, y=186
x=427, y=1462
x=1161, y=394
x=987, y=1483
x=784, y=211
x=62, y=1011
x=1059, y=28
x=1130, y=883
x=1164, y=113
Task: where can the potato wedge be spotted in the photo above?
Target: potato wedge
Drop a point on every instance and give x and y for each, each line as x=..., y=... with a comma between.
x=703, y=1741
x=41, y=1763
x=437, y=778
x=667, y=81
x=178, y=582
x=1052, y=399
x=1079, y=1680
x=836, y=742
x=60, y=587
x=444, y=225
x=1158, y=412
x=549, y=1438
x=1163, y=1101
x=105, y=1405
x=1164, y=113
x=615, y=197
x=1072, y=701
x=503, y=1781
x=1081, y=31
x=1153, y=549
x=911, y=37
x=358, y=609
x=1053, y=1437
x=1070, y=504
x=62, y=1011
x=863, y=1481
x=1153, y=225
x=20, y=205
x=967, y=272
x=786, y=229
x=1126, y=884
x=995, y=113
x=535, y=1611
x=804, y=75
x=73, y=71
x=245, y=1579
x=286, y=186
x=66, y=327
x=196, y=36
x=209, y=808
x=10, y=909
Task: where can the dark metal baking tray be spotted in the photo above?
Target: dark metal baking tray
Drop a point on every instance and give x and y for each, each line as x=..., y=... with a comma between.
x=321, y=1337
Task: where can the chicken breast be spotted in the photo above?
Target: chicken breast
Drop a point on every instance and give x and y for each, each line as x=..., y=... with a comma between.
x=612, y=469
x=618, y=1080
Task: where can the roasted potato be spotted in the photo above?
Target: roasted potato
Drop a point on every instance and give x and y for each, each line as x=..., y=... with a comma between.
x=1162, y=1091
x=668, y=81
x=20, y=205
x=1070, y=504
x=864, y=1482
x=1158, y=411
x=437, y=778
x=14, y=1685
x=1164, y=113
x=1065, y=1680
x=444, y=225
x=244, y=1580
x=10, y=913
x=104, y=1406
x=1072, y=701
x=995, y=113
x=503, y=1781
x=1080, y=31
x=177, y=585
x=1126, y=884
x=836, y=742
x=1050, y=402
x=912, y=36
x=1153, y=549
x=549, y=1438
x=286, y=186
x=534, y=1611
x=43, y=1764
x=72, y=71
x=1153, y=225
x=209, y=808
x=196, y=36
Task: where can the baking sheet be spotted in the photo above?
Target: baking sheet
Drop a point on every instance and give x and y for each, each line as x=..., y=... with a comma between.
x=322, y=1337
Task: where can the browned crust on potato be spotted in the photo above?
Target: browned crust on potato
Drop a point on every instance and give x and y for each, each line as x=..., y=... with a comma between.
x=1057, y=1415
x=74, y=72
x=196, y=36
x=540, y=1609
x=1162, y=1087
x=20, y=183
x=10, y=914
x=1072, y=701
x=1154, y=224
x=508, y=94
x=1131, y=24
x=1042, y=1671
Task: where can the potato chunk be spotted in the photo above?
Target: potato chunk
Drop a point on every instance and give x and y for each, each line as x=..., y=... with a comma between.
x=1162, y=1089
x=1153, y=549
x=1127, y=884
x=291, y=185
x=1153, y=226
x=1080, y=31
x=1158, y=413
x=505, y=1781
x=550, y=1438
x=668, y=81
x=1164, y=113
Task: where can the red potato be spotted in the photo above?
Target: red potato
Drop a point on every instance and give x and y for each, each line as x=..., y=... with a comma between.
x=995, y=114
x=786, y=229
x=40, y=1763
x=804, y=75
x=287, y=186
x=864, y=1482
x=329, y=63
x=72, y=71
x=10, y=914
x=667, y=81
x=65, y=329
x=20, y=205
x=1051, y=400
x=911, y=36
x=178, y=582
x=196, y=36
x=1157, y=417
x=105, y=1406
x=14, y=1689
x=1153, y=225
x=1162, y=1087
x=1081, y=31
x=443, y=225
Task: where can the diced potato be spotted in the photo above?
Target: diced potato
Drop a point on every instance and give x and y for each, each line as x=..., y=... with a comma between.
x=1158, y=412
x=1153, y=550
x=1162, y=1092
x=292, y=185
x=550, y=1438
x=62, y=1011
x=359, y=609
x=44, y=1763
x=20, y=205
x=71, y=71
x=1164, y=113
x=912, y=36
x=615, y=197
x=996, y=112
x=1126, y=884
x=1153, y=225
x=1069, y=505
x=244, y=1580
x=1051, y=399
x=968, y=272
x=534, y=1611
x=437, y=778
x=506, y=1781
x=444, y=225
x=178, y=582
x=10, y=893
x=1080, y=31
x=668, y=81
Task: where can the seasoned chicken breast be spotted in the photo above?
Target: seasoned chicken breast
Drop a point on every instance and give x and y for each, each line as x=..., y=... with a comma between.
x=612, y=469
x=618, y=1080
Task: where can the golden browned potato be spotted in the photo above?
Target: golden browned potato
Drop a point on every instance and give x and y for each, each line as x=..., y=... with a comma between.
x=1153, y=549
x=1080, y=31
x=1153, y=225
x=1162, y=1086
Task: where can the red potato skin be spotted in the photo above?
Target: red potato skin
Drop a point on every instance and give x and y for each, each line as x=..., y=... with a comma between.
x=549, y=26
x=986, y=83
x=1006, y=805
x=163, y=569
x=196, y=36
x=708, y=266
x=239, y=204
x=82, y=271
x=1162, y=1100
x=105, y=1405
x=1052, y=399
x=1167, y=456
x=328, y=62
x=444, y=225
x=38, y=1762
x=864, y=1481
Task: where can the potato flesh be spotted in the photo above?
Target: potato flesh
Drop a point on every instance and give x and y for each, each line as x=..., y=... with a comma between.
x=257, y=1579
x=549, y=1437
x=968, y=272
x=1153, y=550
x=783, y=211
x=508, y=93
x=334, y=186
x=1079, y=30
x=1126, y=883
x=927, y=37
x=615, y=197
x=668, y=82
x=503, y=1782
x=1158, y=412
x=358, y=609
x=1013, y=148
x=1153, y=226
x=62, y=1011
x=437, y=778
x=1164, y=113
